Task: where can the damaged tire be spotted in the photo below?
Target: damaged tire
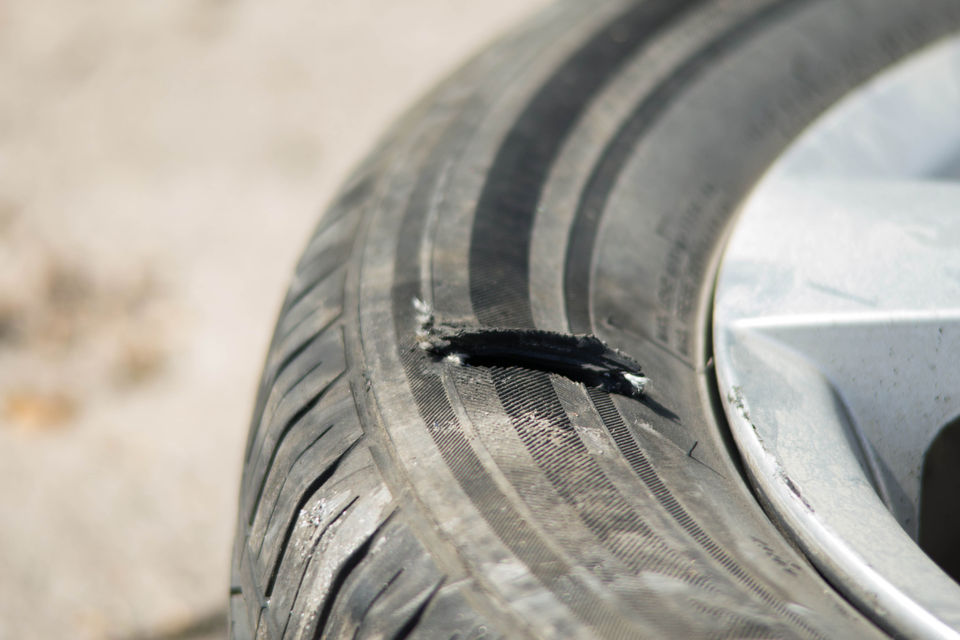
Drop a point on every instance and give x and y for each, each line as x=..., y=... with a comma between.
x=577, y=179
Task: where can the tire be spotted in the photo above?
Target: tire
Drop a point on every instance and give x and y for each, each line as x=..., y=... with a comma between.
x=578, y=177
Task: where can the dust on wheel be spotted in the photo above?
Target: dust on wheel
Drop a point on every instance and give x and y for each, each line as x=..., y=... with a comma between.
x=492, y=407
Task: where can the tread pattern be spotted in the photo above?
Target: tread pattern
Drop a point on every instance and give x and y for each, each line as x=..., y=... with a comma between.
x=321, y=550
x=499, y=292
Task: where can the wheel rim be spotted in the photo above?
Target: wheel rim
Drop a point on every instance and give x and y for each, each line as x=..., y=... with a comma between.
x=836, y=325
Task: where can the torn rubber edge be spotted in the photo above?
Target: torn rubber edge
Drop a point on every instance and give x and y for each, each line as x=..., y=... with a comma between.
x=580, y=357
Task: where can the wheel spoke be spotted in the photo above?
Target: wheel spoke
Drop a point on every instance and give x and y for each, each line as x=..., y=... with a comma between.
x=837, y=324
x=836, y=328
x=863, y=279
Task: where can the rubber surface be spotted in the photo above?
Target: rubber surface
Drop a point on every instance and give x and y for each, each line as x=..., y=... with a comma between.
x=580, y=177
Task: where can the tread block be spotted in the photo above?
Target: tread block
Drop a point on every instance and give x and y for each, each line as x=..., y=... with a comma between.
x=287, y=345
x=304, y=453
x=323, y=347
x=239, y=628
x=320, y=466
x=319, y=300
x=263, y=630
x=250, y=591
x=340, y=217
x=298, y=338
x=311, y=272
x=328, y=531
x=449, y=615
x=388, y=591
x=302, y=390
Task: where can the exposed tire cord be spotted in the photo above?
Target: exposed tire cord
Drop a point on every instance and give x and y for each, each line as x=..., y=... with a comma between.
x=581, y=358
x=499, y=287
x=497, y=297
x=444, y=427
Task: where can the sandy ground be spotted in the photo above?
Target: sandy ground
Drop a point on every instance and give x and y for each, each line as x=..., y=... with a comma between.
x=161, y=164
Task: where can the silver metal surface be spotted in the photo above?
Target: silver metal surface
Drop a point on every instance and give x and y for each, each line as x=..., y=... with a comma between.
x=837, y=334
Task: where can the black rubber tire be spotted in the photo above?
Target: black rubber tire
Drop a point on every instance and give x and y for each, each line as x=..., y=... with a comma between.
x=579, y=176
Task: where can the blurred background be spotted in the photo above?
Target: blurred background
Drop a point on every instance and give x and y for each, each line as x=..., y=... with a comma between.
x=161, y=166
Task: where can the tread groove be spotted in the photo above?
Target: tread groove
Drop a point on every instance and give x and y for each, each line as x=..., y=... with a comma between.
x=304, y=498
x=373, y=601
x=283, y=433
x=289, y=389
x=503, y=199
x=273, y=509
x=288, y=330
x=290, y=357
x=411, y=624
x=342, y=514
x=317, y=279
x=346, y=568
